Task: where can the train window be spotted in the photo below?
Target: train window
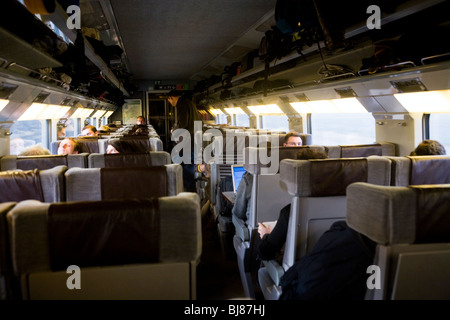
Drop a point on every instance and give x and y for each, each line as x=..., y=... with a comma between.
x=439, y=124
x=342, y=128
x=221, y=119
x=27, y=133
x=274, y=123
x=242, y=120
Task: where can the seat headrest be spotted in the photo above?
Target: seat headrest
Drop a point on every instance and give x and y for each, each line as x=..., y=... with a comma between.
x=361, y=150
x=396, y=215
x=330, y=177
x=41, y=162
x=18, y=185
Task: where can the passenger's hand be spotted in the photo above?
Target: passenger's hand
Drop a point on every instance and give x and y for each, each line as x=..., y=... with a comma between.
x=263, y=229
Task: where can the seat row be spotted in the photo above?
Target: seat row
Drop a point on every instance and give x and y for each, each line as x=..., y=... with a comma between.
x=319, y=191
x=99, y=144
x=85, y=160
x=60, y=184
x=142, y=248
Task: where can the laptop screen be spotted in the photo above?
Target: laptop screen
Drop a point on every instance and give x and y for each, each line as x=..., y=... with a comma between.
x=237, y=172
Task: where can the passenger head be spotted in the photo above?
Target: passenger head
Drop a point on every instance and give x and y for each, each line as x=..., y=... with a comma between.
x=69, y=146
x=89, y=130
x=309, y=153
x=36, y=150
x=104, y=129
x=114, y=146
x=141, y=120
x=292, y=139
x=173, y=97
x=429, y=148
x=61, y=132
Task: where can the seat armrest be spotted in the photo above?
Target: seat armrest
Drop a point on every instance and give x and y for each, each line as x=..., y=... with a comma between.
x=274, y=270
x=241, y=228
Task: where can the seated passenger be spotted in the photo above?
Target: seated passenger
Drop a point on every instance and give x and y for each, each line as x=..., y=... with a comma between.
x=335, y=268
x=272, y=241
x=141, y=120
x=104, y=129
x=429, y=148
x=292, y=139
x=90, y=131
x=69, y=146
x=36, y=150
x=119, y=146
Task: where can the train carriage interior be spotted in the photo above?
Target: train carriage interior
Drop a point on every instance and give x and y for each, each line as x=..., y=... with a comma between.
x=364, y=82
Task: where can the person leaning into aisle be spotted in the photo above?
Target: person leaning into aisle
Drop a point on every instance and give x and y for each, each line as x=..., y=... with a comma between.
x=186, y=114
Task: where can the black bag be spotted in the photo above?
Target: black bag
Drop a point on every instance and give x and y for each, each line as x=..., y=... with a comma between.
x=224, y=207
x=293, y=16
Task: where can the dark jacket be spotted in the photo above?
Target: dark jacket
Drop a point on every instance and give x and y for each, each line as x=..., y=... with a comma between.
x=335, y=269
x=272, y=243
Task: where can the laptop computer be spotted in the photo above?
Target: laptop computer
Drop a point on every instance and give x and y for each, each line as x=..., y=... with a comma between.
x=237, y=171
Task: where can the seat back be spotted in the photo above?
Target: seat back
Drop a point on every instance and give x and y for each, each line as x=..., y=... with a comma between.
x=141, y=159
x=411, y=226
x=43, y=185
x=157, y=261
x=122, y=183
x=12, y=162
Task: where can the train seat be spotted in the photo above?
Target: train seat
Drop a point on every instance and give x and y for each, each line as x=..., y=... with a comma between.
x=43, y=185
x=13, y=162
x=87, y=144
x=411, y=226
x=142, y=159
x=318, y=192
x=121, y=183
x=119, y=249
x=420, y=170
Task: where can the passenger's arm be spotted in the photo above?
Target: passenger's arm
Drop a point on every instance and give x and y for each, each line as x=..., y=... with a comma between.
x=272, y=243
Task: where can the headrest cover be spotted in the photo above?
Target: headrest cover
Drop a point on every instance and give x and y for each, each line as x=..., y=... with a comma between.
x=20, y=185
x=95, y=233
x=395, y=215
x=130, y=183
x=41, y=162
x=433, y=213
x=332, y=177
x=429, y=170
x=124, y=160
x=355, y=151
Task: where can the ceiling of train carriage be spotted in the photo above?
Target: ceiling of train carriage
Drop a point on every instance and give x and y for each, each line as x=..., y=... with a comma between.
x=180, y=39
